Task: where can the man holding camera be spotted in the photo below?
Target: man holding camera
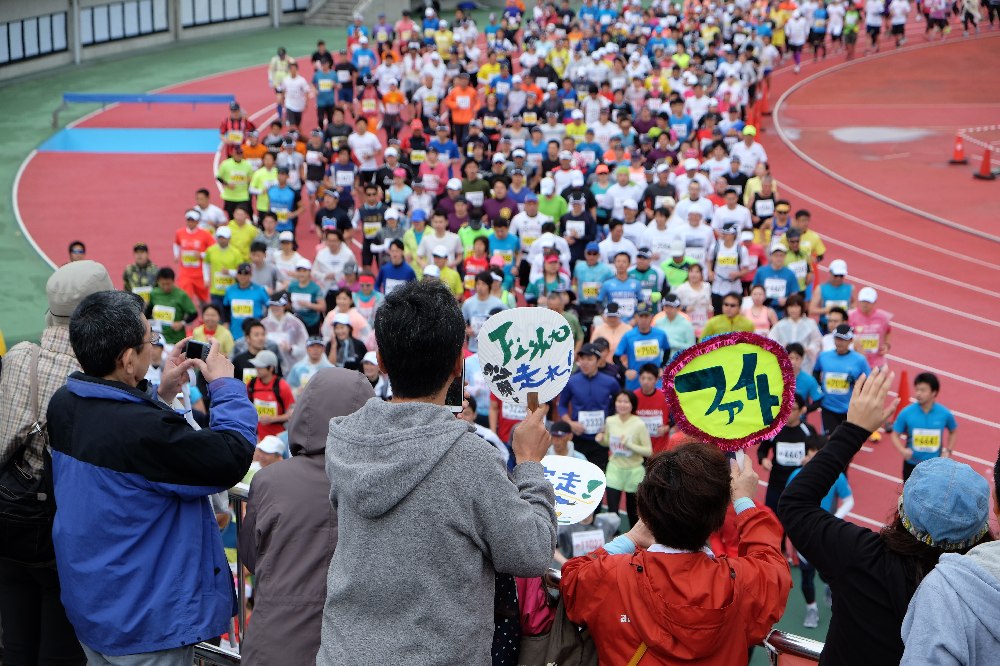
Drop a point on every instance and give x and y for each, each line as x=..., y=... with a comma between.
x=138, y=550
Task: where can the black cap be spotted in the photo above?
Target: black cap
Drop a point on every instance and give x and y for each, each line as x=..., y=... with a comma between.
x=589, y=350
x=234, y=106
x=244, y=269
x=283, y=170
x=560, y=428
x=140, y=246
x=793, y=234
x=844, y=332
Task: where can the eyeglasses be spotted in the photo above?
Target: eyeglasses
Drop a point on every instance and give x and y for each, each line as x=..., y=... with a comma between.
x=592, y=252
x=157, y=339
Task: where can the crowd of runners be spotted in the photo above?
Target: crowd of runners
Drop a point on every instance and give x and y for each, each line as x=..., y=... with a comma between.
x=601, y=161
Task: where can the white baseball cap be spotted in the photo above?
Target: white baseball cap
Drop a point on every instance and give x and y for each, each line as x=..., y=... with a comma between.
x=440, y=251
x=391, y=152
x=839, y=267
x=548, y=186
x=631, y=203
x=286, y=236
x=392, y=214
x=432, y=271
x=576, y=114
x=867, y=295
x=677, y=248
x=303, y=264
x=370, y=357
x=223, y=232
x=454, y=184
x=342, y=318
x=272, y=444
x=691, y=164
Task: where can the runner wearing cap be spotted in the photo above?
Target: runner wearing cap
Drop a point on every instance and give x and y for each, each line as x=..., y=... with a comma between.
x=778, y=280
x=285, y=202
x=478, y=307
x=675, y=324
x=837, y=371
x=366, y=300
x=243, y=300
x=139, y=277
x=440, y=237
x=650, y=277
x=797, y=259
x=190, y=244
x=285, y=331
x=835, y=292
x=727, y=266
x=306, y=297
x=287, y=259
x=234, y=128
x=368, y=219
x=270, y=394
x=872, y=328
x=621, y=289
x=641, y=345
x=221, y=261
x=584, y=404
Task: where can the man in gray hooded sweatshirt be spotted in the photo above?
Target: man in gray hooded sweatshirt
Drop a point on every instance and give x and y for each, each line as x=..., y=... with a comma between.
x=427, y=514
x=954, y=617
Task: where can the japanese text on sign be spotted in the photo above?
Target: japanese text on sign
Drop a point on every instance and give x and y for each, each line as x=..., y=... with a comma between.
x=578, y=485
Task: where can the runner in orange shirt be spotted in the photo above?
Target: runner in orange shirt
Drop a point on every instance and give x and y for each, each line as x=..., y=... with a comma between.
x=190, y=243
x=462, y=104
x=392, y=103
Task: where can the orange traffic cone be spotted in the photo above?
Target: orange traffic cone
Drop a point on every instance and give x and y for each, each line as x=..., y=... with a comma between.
x=903, y=393
x=958, y=155
x=765, y=108
x=985, y=169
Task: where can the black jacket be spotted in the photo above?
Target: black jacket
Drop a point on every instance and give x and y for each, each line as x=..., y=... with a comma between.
x=871, y=585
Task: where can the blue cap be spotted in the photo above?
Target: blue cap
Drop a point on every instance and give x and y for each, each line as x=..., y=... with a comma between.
x=945, y=504
x=531, y=196
x=418, y=215
x=592, y=246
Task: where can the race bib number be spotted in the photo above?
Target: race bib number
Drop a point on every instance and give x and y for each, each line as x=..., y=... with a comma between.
x=507, y=256
x=775, y=288
x=526, y=241
x=584, y=543
x=515, y=412
x=591, y=289
x=543, y=82
x=382, y=36
x=301, y=301
x=234, y=136
x=344, y=178
x=190, y=258
x=474, y=198
x=789, y=454
x=530, y=118
x=652, y=423
x=265, y=407
x=837, y=304
x=646, y=349
x=729, y=260
x=368, y=106
x=363, y=61
x=626, y=305
x=925, y=440
x=221, y=280
x=371, y=229
x=463, y=102
x=800, y=268
x=659, y=202
x=576, y=228
x=241, y=308
x=477, y=322
x=418, y=156
x=569, y=104
x=837, y=383
x=588, y=156
x=490, y=122
x=164, y=313
x=592, y=422
x=869, y=342
x=281, y=214
x=470, y=285
x=391, y=284
x=696, y=253
x=617, y=445
x=764, y=207
x=143, y=292
x=325, y=85
x=343, y=75
x=314, y=157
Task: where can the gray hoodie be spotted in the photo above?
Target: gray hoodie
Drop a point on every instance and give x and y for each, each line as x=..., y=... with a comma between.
x=427, y=516
x=954, y=618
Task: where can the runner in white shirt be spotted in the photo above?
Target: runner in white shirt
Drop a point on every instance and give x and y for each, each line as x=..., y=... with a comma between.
x=692, y=174
x=699, y=239
x=899, y=11
x=527, y=224
x=696, y=106
x=328, y=267
x=797, y=32
x=835, y=20
x=622, y=190
x=693, y=202
x=616, y=243
x=365, y=146
x=296, y=91
x=212, y=216
x=732, y=212
x=874, y=10
x=749, y=151
x=717, y=164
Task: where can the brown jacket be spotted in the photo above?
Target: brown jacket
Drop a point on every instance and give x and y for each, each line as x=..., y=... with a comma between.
x=290, y=530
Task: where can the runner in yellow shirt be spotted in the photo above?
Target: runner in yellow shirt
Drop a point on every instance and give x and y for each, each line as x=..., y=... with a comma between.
x=261, y=180
x=234, y=174
x=243, y=233
x=222, y=260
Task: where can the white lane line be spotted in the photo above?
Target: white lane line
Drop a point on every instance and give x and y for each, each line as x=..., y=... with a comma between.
x=922, y=301
x=966, y=258
x=945, y=373
x=981, y=461
x=776, y=122
x=948, y=341
x=874, y=523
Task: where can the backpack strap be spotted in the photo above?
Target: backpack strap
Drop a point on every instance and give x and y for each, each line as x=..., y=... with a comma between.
x=276, y=390
x=637, y=657
x=36, y=427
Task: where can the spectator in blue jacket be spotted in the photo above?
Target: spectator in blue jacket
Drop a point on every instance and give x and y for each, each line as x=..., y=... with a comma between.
x=137, y=545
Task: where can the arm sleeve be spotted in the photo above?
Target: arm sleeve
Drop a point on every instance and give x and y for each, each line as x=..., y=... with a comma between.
x=586, y=580
x=644, y=446
x=517, y=521
x=824, y=539
x=764, y=572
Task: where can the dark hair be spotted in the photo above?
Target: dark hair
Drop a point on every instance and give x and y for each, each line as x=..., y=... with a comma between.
x=486, y=278
x=815, y=442
x=420, y=331
x=249, y=324
x=918, y=558
x=333, y=231
x=796, y=299
x=650, y=369
x=202, y=191
x=930, y=379
x=550, y=227
x=165, y=273
x=77, y=243
x=734, y=294
x=685, y=494
x=839, y=310
x=802, y=213
x=104, y=325
x=210, y=306
x=796, y=348
x=634, y=401
x=258, y=246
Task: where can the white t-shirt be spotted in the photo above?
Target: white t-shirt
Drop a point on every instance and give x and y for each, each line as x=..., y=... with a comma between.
x=659, y=241
x=296, y=91
x=740, y=215
x=699, y=241
x=610, y=249
x=835, y=12
x=898, y=11
x=873, y=13
x=684, y=206
x=528, y=229
x=327, y=262
x=619, y=193
x=365, y=149
x=450, y=241
x=696, y=107
x=750, y=156
x=211, y=217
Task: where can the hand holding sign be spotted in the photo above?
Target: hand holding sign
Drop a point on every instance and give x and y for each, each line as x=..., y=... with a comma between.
x=731, y=390
x=531, y=438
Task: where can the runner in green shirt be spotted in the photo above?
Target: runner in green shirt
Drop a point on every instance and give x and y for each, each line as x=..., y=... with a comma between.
x=169, y=307
x=235, y=174
x=262, y=179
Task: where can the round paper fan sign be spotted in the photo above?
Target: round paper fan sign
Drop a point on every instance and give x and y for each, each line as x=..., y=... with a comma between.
x=578, y=485
x=731, y=390
x=526, y=350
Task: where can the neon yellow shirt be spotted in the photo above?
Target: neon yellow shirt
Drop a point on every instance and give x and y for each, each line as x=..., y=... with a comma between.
x=444, y=39
x=577, y=131
x=222, y=264
x=242, y=238
x=260, y=181
x=452, y=279
x=488, y=71
x=237, y=176
x=559, y=59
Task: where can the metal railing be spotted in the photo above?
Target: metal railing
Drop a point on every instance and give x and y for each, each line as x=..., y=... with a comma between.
x=778, y=643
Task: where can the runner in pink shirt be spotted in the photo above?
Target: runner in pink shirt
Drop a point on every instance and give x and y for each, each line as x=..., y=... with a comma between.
x=871, y=328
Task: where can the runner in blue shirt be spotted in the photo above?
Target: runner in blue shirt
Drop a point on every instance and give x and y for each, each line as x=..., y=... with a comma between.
x=244, y=299
x=364, y=59
x=805, y=384
x=586, y=402
x=681, y=123
x=284, y=202
x=622, y=289
x=325, y=80
x=778, y=280
x=837, y=370
x=505, y=245
x=394, y=272
x=924, y=423
x=643, y=344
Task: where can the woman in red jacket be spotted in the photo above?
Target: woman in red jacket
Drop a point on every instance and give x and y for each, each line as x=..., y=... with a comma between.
x=665, y=594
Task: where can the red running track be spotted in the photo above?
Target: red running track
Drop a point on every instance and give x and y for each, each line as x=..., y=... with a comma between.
x=936, y=280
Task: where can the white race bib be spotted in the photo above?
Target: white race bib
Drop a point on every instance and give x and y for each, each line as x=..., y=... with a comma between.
x=514, y=412
x=617, y=446
x=301, y=301
x=576, y=228
x=646, y=349
x=584, y=543
x=653, y=423
x=775, y=287
x=593, y=422
x=241, y=307
x=925, y=440
x=789, y=454
x=265, y=407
